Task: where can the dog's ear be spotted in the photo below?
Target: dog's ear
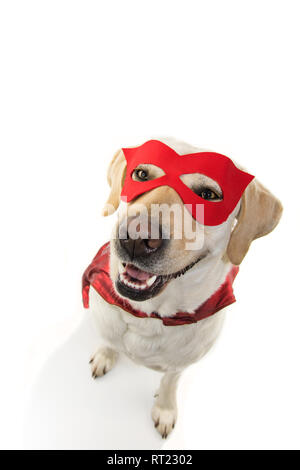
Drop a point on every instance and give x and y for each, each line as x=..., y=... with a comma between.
x=259, y=214
x=115, y=176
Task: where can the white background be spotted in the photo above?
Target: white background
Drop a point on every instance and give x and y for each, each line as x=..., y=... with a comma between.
x=78, y=80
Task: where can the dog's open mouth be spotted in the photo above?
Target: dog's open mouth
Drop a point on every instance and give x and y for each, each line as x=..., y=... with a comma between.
x=136, y=284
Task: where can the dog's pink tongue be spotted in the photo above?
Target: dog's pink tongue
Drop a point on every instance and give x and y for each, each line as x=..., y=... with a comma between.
x=137, y=273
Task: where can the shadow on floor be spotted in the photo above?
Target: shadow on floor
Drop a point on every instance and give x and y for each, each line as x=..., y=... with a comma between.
x=69, y=410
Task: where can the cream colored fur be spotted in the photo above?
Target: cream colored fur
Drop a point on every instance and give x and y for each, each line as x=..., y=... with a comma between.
x=171, y=349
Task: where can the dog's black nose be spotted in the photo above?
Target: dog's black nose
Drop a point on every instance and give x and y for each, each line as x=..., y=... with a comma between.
x=140, y=246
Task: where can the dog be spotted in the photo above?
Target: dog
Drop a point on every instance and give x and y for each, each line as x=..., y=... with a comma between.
x=156, y=279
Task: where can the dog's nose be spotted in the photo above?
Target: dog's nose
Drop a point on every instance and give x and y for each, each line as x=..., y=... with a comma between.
x=140, y=246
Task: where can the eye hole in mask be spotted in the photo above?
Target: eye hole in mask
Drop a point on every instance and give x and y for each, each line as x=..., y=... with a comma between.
x=203, y=186
x=146, y=172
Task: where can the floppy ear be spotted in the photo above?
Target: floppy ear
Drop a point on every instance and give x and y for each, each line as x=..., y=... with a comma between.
x=259, y=214
x=115, y=176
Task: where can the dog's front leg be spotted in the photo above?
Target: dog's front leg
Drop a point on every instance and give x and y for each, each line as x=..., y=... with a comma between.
x=103, y=361
x=164, y=411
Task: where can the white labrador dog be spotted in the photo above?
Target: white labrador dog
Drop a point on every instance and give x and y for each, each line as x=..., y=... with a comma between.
x=148, y=341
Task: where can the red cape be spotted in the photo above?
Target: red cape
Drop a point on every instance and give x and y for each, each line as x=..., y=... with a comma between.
x=97, y=275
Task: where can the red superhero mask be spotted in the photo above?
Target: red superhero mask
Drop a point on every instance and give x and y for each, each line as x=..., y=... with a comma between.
x=220, y=168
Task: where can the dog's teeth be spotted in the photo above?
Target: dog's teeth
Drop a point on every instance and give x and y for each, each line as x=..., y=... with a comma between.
x=121, y=268
x=132, y=284
x=150, y=281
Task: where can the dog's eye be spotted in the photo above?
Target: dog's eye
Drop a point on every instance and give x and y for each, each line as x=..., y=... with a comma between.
x=141, y=175
x=207, y=194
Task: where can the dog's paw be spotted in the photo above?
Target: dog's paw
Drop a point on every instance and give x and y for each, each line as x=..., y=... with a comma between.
x=164, y=420
x=103, y=361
